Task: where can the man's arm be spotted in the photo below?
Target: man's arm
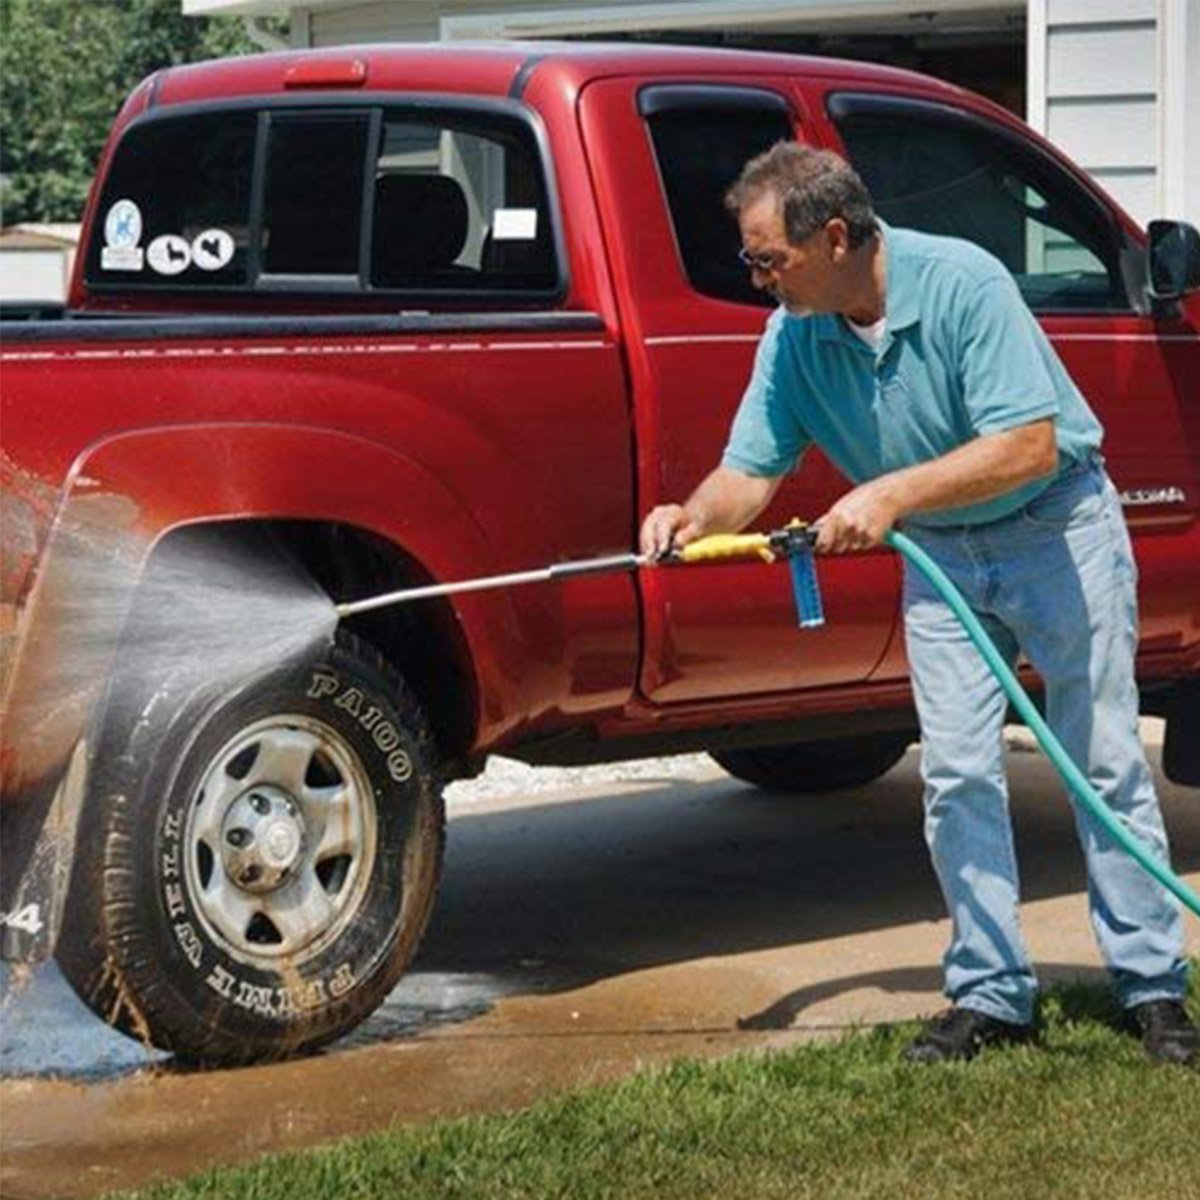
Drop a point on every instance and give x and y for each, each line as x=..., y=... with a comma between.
x=727, y=500
x=983, y=468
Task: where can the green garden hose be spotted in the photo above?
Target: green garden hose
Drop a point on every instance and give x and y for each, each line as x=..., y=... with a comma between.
x=795, y=543
x=1071, y=774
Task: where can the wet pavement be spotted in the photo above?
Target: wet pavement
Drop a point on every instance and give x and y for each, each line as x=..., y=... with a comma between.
x=581, y=933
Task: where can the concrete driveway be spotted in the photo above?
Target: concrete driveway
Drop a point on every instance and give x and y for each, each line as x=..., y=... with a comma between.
x=590, y=923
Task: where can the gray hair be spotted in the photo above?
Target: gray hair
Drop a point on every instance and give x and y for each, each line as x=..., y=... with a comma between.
x=814, y=186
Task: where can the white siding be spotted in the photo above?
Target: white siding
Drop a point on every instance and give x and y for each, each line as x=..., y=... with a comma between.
x=1094, y=90
x=381, y=21
x=34, y=274
x=1095, y=60
x=1091, y=12
x=1108, y=131
x=1180, y=130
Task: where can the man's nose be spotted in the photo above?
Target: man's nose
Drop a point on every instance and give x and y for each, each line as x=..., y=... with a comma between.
x=761, y=279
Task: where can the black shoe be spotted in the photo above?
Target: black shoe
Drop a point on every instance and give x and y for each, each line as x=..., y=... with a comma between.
x=1166, y=1031
x=960, y=1033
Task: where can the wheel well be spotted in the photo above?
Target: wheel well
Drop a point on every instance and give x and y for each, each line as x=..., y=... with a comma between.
x=421, y=640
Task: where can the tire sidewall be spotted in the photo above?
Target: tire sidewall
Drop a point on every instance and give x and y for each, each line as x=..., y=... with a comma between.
x=167, y=955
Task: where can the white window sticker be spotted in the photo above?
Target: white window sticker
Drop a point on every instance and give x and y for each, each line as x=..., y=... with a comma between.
x=212, y=249
x=122, y=258
x=123, y=227
x=514, y=224
x=169, y=254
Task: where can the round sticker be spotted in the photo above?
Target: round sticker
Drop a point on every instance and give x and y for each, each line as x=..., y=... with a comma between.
x=212, y=249
x=123, y=225
x=169, y=254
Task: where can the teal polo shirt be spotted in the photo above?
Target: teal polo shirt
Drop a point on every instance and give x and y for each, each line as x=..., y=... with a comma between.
x=962, y=357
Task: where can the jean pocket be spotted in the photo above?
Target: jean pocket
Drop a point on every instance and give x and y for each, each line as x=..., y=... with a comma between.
x=1072, y=501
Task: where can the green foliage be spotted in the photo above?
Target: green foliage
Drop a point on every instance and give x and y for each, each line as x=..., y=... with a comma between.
x=66, y=66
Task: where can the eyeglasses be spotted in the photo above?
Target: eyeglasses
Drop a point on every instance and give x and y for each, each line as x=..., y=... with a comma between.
x=768, y=261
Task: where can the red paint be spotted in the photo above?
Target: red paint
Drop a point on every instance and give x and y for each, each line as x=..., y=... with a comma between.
x=478, y=453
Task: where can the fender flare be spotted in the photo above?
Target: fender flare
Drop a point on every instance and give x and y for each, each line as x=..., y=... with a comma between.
x=125, y=493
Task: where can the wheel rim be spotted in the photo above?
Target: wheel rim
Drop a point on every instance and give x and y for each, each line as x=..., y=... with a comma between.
x=280, y=840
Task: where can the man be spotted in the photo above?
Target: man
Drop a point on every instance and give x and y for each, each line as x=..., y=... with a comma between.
x=914, y=364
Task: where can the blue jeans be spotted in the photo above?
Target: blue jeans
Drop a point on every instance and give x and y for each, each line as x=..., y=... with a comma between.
x=1057, y=582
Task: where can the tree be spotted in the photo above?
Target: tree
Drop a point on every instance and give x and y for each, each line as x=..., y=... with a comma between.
x=65, y=69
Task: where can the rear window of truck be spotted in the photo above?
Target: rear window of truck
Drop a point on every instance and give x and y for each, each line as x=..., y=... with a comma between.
x=418, y=199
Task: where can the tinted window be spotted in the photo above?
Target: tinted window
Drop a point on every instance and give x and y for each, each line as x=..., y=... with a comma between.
x=312, y=209
x=700, y=153
x=944, y=178
x=460, y=205
x=351, y=199
x=176, y=204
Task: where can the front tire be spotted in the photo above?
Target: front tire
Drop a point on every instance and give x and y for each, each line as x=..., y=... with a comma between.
x=809, y=767
x=255, y=868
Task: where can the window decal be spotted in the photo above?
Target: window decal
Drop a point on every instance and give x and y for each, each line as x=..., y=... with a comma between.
x=514, y=224
x=122, y=233
x=212, y=249
x=169, y=254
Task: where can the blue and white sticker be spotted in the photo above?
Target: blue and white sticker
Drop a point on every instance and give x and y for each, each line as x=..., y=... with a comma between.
x=212, y=249
x=122, y=234
x=123, y=225
x=169, y=254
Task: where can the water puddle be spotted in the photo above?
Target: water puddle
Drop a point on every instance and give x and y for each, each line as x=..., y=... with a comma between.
x=47, y=1032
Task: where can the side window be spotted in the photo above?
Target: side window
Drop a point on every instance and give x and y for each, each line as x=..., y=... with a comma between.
x=956, y=177
x=701, y=148
x=429, y=200
x=176, y=204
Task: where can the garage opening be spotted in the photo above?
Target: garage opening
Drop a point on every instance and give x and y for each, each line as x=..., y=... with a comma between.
x=983, y=50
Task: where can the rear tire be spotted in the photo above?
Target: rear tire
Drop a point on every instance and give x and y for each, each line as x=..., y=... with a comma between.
x=256, y=865
x=808, y=767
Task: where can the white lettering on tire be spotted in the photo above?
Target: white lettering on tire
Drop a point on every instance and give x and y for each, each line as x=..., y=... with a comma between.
x=383, y=733
x=322, y=685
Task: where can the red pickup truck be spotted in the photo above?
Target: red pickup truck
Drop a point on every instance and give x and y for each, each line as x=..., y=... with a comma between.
x=367, y=318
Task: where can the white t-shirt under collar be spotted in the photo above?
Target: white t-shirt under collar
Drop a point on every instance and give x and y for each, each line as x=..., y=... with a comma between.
x=871, y=334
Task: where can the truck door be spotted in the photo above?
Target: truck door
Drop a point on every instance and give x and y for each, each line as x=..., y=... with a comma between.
x=662, y=156
x=948, y=170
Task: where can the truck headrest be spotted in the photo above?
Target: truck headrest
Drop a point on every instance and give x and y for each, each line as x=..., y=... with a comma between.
x=420, y=224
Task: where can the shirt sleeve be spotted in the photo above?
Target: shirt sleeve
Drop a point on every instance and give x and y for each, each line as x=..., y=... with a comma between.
x=1004, y=360
x=767, y=438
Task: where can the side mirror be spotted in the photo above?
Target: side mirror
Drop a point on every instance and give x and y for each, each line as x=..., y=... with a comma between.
x=1174, y=259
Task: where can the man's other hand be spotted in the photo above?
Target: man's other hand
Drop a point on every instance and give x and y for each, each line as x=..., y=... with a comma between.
x=858, y=521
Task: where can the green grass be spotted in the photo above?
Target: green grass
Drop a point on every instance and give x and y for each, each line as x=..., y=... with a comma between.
x=1083, y=1115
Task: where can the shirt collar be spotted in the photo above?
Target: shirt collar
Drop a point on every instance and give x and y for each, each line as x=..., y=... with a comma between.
x=903, y=291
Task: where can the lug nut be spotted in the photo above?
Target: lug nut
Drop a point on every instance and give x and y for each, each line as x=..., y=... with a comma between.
x=260, y=803
x=250, y=875
x=238, y=837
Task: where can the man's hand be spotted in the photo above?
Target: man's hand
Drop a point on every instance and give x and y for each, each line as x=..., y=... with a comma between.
x=859, y=520
x=666, y=526
x=727, y=500
x=986, y=466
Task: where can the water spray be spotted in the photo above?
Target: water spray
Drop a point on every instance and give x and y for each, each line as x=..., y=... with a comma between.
x=794, y=543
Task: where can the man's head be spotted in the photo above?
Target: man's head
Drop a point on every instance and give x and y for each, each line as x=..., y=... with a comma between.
x=803, y=213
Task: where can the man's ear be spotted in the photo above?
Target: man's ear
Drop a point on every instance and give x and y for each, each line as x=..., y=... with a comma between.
x=838, y=234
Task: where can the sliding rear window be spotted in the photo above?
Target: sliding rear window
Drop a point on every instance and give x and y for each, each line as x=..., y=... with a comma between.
x=443, y=202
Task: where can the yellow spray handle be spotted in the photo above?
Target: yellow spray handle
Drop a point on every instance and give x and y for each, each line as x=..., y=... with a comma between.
x=726, y=545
